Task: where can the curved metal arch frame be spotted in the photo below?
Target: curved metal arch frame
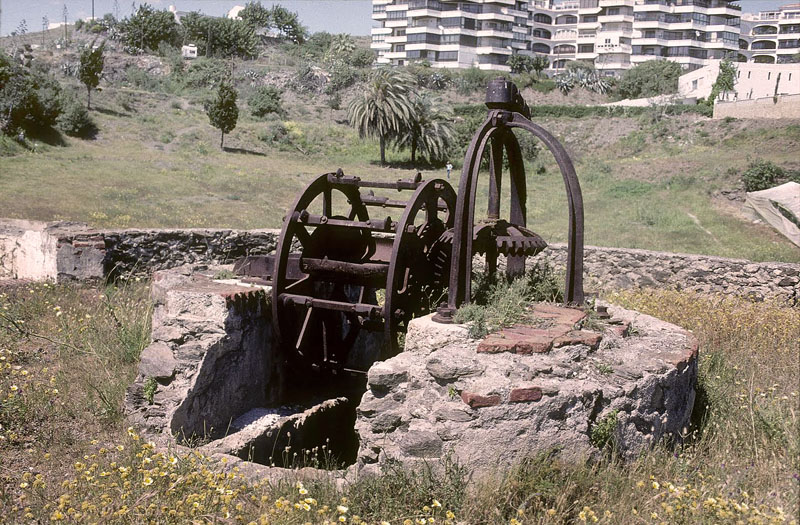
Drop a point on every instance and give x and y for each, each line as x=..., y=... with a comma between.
x=499, y=124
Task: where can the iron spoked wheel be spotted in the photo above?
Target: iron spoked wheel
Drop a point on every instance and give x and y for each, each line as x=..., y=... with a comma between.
x=412, y=280
x=316, y=336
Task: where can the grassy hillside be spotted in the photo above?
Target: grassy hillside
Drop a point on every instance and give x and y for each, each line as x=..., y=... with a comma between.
x=157, y=164
x=661, y=184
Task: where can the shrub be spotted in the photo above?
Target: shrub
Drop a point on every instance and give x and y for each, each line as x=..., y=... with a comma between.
x=520, y=63
x=341, y=76
x=265, y=100
x=762, y=174
x=141, y=79
x=205, y=73
x=28, y=100
x=74, y=120
x=362, y=57
x=648, y=79
x=474, y=79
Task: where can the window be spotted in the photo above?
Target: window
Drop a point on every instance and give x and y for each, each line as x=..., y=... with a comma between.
x=396, y=15
x=694, y=84
x=449, y=39
x=769, y=75
x=748, y=74
x=446, y=56
x=399, y=48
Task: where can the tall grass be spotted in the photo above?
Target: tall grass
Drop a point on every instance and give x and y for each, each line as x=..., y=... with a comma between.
x=65, y=456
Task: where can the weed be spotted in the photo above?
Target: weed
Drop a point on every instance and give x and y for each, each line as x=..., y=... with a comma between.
x=497, y=303
x=604, y=368
x=150, y=387
x=602, y=433
x=224, y=274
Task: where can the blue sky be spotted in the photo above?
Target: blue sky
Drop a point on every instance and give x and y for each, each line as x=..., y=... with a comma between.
x=335, y=16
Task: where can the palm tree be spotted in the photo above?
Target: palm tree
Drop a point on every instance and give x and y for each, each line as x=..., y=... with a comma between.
x=384, y=108
x=430, y=130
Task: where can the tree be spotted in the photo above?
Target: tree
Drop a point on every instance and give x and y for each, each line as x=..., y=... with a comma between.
x=383, y=109
x=651, y=78
x=288, y=24
x=520, y=63
x=220, y=36
x=256, y=15
x=540, y=63
x=429, y=131
x=222, y=110
x=148, y=27
x=90, y=69
x=726, y=80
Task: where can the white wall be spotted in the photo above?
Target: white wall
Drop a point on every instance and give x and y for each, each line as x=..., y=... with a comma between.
x=752, y=81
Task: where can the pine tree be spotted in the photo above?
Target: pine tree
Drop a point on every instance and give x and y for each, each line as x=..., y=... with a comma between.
x=222, y=111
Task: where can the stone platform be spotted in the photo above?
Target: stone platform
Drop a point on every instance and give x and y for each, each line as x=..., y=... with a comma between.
x=560, y=381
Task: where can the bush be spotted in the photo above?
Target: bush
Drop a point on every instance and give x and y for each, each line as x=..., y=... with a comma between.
x=265, y=100
x=74, y=120
x=362, y=57
x=205, y=73
x=648, y=79
x=28, y=99
x=474, y=79
x=141, y=79
x=762, y=174
x=341, y=76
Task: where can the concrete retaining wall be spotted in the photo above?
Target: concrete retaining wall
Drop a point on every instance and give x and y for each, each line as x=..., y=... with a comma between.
x=782, y=106
x=69, y=251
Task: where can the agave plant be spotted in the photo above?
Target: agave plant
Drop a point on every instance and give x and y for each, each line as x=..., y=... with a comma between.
x=565, y=82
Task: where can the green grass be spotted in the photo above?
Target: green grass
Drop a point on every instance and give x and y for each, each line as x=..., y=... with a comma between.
x=158, y=165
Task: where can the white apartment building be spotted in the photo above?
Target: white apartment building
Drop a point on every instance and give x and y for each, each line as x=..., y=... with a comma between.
x=448, y=33
x=770, y=37
x=613, y=34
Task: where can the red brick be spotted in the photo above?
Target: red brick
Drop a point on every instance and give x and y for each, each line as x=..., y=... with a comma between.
x=479, y=401
x=578, y=337
x=560, y=314
x=525, y=395
x=621, y=330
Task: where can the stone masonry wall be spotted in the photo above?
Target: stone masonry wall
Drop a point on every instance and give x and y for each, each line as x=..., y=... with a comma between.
x=610, y=268
x=81, y=253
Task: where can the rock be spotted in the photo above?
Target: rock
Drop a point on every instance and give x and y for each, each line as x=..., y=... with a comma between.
x=157, y=362
x=386, y=422
x=421, y=444
x=382, y=378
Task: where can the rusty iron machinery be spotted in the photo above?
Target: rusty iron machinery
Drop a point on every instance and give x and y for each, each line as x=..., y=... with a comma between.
x=339, y=270
x=343, y=271
x=508, y=112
